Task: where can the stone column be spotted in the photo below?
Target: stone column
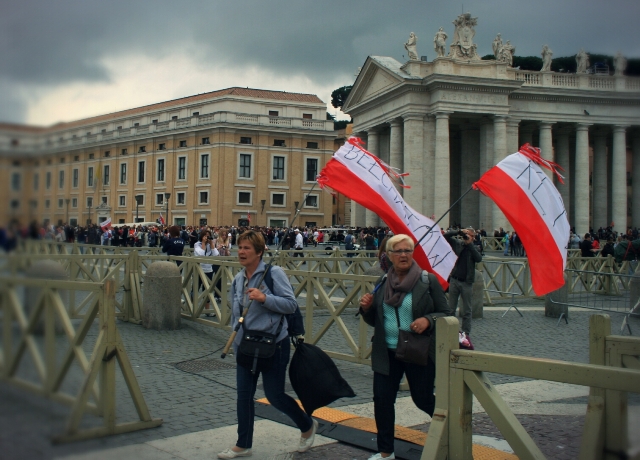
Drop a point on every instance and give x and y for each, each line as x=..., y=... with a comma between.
x=486, y=162
x=469, y=173
x=499, y=153
x=441, y=199
x=429, y=164
x=599, y=181
x=546, y=145
x=513, y=136
x=373, y=140
x=395, y=145
x=581, y=183
x=635, y=193
x=562, y=158
x=619, y=179
x=414, y=158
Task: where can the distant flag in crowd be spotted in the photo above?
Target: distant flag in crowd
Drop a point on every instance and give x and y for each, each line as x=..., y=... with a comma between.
x=161, y=219
x=534, y=207
x=106, y=224
x=368, y=181
x=249, y=216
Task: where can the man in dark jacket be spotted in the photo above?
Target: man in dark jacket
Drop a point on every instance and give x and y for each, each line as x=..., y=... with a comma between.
x=463, y=276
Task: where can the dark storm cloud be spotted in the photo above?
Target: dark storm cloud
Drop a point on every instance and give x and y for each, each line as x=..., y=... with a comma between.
x=48, y=43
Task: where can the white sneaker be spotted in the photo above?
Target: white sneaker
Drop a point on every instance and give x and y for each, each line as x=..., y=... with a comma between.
x=379, y=456
x=306, y=443
x=230, y=453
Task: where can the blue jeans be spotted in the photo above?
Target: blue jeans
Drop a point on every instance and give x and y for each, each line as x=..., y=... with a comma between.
x=385, y=391
x=273, y=381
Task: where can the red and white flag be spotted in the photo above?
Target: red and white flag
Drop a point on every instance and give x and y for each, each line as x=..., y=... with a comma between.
x=249, y=217
x=368, y=181
x=533, y=205
x=106, y=224
x=161, y=219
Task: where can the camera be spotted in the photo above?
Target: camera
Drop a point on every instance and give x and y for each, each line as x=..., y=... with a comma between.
x=463, y=234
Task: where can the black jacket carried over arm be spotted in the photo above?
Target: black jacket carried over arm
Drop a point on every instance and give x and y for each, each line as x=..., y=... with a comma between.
x=426, y=301
x=473, y=256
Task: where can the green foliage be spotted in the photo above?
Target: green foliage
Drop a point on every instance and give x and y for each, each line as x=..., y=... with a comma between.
x=330, y=117
x=527, y=62
x=339, y=96
x=341, y=124
x=488, y=57
x=568, y=63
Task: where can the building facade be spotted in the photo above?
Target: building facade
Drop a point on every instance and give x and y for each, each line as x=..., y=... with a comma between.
x=448, y=121
x=229, y=157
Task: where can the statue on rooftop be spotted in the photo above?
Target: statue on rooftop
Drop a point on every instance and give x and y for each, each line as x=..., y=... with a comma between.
x=439, y=42
x=620, y=64
x=582, y=61
x=411, y=47
x=462, y=46
x=506, y=53
x=546, y=59
x=496, y=46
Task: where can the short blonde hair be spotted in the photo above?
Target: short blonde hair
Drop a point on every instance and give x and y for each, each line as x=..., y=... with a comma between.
x=395, y=239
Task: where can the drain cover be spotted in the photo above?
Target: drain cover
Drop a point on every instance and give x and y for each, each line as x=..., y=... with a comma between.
x=204, y=365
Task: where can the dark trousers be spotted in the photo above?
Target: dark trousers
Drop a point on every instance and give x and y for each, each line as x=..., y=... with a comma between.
x=385, y=391
x=273, y=382
x=298, y=253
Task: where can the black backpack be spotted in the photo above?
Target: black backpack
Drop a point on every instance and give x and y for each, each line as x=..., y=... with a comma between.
x=295, y=321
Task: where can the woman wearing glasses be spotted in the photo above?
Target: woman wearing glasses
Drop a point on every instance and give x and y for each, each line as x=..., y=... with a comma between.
x=418, y=303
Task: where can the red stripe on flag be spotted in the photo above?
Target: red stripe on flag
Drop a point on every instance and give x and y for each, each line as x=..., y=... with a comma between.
x=342, y=180
x=545, y=260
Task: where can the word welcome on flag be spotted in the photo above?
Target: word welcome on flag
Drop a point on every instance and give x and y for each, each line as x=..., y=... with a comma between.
x=365, y=179
x=534, y=207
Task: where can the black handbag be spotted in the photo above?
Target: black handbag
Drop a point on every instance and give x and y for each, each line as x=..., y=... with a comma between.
x=412, y=347
x=257, y=349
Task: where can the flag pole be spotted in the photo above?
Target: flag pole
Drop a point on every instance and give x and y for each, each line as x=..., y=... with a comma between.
x=227, y=347
x=445, y=213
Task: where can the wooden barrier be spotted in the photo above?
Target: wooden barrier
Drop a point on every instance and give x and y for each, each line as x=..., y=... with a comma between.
x=460, y=376
x=98, y=388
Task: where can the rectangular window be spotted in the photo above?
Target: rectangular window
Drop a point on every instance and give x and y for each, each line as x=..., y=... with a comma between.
x=154, y=121
x=205, y=141
x=89, y=201
x=91, y=156
x=15, y=182
x=182, y=168
x=142, y=149
x=47, y=180
x=107, y=170
x=74, y=202
x=175, y=117
x=90, y=176
x=141, y=171
x=122, y=200
x=245, y=140
x=195, y=114
x=61, y=180
x=123, y=151
x=36, y=181
x=60, y=203
x=245, y=165
x=277, y=199
x=312, y=169
x=273, y=113
x=204, y=166
x=107, y=154
x=278, y=168
x=77, y=157
x=204, y=198
x=135, y=125
x=161, y=170
x=75, y=178
x=307, y=115
x=244, y=197
x=104, y=200
x=159, y=199
x=123, y=173
x=180, y=197
x=312, y=201
x=278, y=143
x=47, y=204
x=183, y=143
x=162, y=146
x=312, y=145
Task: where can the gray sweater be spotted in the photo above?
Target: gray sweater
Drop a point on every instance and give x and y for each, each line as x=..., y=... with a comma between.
x=265, y=316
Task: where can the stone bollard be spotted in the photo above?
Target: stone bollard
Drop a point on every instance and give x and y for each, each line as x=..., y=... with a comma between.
x=45, y=270
x=161, y=304
x=634, y=290
x=553, y=310
x=477, y=296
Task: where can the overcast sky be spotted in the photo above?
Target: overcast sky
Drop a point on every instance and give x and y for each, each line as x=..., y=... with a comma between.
x=70, y=59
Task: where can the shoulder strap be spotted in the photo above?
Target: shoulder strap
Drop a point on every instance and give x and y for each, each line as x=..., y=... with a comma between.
x=268, y=279
x=425, y=277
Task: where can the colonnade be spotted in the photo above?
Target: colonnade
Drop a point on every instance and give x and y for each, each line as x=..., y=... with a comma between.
x=445, y=152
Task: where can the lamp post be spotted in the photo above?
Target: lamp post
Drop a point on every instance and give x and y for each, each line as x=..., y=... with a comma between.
x=89, y=203
x=166, y=201
x=138, y=199
x=67, y=200
x=262, y=202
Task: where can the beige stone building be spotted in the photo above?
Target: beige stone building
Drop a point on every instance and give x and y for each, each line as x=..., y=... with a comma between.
x=214, y=159
x=448, y=121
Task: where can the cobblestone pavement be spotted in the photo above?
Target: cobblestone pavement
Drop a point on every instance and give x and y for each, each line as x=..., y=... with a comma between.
x=193, y=402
